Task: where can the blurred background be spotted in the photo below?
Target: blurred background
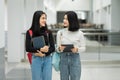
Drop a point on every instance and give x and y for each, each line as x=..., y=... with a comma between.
x=98, y=19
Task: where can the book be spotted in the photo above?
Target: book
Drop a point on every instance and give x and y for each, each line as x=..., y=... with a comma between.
x=38, y=42
x=68, y=47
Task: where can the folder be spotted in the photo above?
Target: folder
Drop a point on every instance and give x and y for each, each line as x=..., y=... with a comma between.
x=68, y=47
x=38, y=42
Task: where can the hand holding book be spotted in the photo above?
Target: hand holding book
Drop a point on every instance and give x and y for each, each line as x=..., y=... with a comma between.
x=39, y=53
x=44, y=49
x=67, y=47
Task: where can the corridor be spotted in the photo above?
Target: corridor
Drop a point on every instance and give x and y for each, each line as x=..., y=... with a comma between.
x=90, y=71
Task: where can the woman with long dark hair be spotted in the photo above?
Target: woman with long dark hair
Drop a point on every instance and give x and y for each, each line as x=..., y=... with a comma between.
x=70, y=44
x=41, y=66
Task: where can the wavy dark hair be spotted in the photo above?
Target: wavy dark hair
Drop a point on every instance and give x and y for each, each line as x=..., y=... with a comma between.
x=35, y=27
x=73, y=21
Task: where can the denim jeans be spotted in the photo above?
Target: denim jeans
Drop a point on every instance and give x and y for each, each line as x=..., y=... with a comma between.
x=70, y=66
x=41, y=68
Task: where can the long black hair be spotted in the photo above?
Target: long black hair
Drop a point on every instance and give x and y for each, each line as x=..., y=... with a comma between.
x=35, y=27
x=73, y=21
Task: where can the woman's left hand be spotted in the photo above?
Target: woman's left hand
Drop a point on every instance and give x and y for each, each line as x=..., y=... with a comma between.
x=44, y=49
x=39, y=53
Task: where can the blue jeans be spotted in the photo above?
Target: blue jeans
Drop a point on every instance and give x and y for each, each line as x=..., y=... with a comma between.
x=41, y=68
x=70, y=66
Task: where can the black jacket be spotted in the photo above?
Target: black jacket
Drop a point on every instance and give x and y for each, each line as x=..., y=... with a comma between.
x=49, y=40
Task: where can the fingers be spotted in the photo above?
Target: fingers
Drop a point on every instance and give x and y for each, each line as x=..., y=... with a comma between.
x=38, y=51
x=39, y=54
x=61, y=48
x=47, y=47
x=44, y=49
x=36, y=54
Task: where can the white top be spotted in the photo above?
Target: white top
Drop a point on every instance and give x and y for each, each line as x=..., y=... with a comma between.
x=67, y=37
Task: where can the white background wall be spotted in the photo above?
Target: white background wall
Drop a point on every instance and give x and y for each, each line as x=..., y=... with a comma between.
x=102, y=13
x=19, y=18
x=107, y=12
x=2, y=23
x=30, y=6
x=15, y=27
x=73, y=5
x=52, y=6
x=2, y=40
x=115, y=14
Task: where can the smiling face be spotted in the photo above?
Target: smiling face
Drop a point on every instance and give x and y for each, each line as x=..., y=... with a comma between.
x=42, y=20
x=65, y=21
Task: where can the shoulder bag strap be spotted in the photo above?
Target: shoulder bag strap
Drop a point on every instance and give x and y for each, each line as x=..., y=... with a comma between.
x=31, y=33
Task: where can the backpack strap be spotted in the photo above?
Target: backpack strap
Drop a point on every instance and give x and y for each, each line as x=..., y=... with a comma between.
x=31, y=33
x=29, y=53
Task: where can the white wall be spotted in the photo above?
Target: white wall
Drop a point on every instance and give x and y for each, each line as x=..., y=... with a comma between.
x=115, y=15
x=2, y=23
x=51, y=16
x=20, y=16
x=2, y=40
x=73, y=5
x=107, y=12
x=49, y=8
x=98, y=4
x=102, y=13
x=30, y=7
x=15, y=27
x=105, y=2
x=52, y=6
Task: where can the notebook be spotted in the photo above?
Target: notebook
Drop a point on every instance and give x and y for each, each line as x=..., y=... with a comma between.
x=38, y=42
x=68, y=47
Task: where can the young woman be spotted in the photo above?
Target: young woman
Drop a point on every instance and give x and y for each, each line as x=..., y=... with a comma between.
x=70, y=66
x=41, y=66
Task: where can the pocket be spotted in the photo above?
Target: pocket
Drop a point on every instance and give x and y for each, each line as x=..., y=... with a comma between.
x=76, y=59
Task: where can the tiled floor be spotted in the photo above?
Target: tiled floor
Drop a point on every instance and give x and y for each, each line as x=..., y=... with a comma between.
x=90, y=71
x=18, y=71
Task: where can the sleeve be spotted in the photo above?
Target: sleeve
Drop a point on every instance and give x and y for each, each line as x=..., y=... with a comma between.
x=28, y=44
x=82, y=44
x=58, y=40
x=52, y=44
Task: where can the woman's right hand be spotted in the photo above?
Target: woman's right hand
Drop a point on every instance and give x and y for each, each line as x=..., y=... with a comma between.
x=61, y=48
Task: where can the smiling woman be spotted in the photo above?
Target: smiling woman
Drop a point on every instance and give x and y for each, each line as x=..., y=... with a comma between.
x=70, y=43
x=41, y=56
